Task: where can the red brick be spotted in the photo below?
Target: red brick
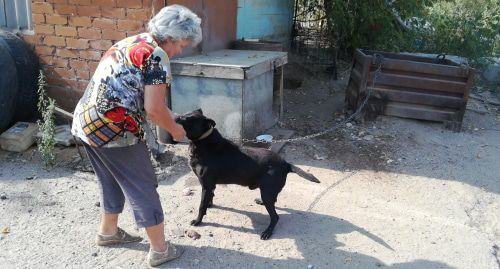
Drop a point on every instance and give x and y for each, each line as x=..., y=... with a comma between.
x=130, y=25
x=54, y=41
x=79, y=2
x=73, y=43
x=39, y=8
x=67, y=53
x=101, y=44
x=64, y=9
x=66, y=30
x=38, y=18
x=55, y=61
x=44, y=29
x=64, y=73
x=71, y=86
x=89, y=33
x=80, y=21
x=56, y=19
x=91, y=55
x=104, y=23
x=57, y=1
x=79, y=65
x=129, y=3
x=82, y=86
x=56, y=91
x=137, y=14
x=44, y=50
x=83, y=74
x=32, y=39
x=93, y=66
x=104, y=3
x=113, y=35
x=91, y=11
x=114, y=13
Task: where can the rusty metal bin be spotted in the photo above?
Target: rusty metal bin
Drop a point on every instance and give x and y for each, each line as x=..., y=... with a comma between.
x=408, y=86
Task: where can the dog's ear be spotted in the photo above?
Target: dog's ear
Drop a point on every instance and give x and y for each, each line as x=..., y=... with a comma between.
x=211, y=122
x=199, y=111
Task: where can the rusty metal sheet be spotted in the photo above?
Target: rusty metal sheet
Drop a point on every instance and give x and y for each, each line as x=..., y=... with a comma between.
x=218, y=23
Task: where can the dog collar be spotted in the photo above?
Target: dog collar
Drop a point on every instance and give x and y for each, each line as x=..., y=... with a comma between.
x=206, y=134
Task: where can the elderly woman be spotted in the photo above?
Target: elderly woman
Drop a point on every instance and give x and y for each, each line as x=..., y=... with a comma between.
x=129, y=86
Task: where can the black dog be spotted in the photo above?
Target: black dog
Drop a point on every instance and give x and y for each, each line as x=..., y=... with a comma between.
x=216, y=160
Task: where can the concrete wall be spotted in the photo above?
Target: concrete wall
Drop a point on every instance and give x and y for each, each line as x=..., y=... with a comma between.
x=265, y=19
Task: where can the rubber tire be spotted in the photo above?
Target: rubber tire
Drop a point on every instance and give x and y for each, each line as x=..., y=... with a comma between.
x=8, y=86
x=27, y=65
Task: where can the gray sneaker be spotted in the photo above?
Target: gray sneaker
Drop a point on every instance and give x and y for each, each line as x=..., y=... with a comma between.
x=157, y=258
x=121, y=237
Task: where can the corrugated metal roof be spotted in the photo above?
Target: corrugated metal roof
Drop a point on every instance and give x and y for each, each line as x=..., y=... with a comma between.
x=16, y=15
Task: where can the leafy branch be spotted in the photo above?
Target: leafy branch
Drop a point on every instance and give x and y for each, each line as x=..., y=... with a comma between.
x=46, y=124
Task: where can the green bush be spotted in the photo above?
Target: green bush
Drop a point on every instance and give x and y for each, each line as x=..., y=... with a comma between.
x=468, y=28
x=46, y=124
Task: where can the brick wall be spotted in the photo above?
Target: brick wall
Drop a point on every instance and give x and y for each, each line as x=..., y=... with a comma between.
x=72, y=35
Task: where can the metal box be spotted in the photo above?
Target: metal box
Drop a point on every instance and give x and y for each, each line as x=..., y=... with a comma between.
x=409, y=86
x=233, y=87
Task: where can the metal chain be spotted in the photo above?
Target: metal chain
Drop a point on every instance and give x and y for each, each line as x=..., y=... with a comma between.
x=378, y=59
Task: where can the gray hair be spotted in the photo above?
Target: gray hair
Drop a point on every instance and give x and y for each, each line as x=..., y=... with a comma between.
x=176, y=22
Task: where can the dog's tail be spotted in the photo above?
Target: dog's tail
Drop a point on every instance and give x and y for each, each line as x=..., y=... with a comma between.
x=302, y=173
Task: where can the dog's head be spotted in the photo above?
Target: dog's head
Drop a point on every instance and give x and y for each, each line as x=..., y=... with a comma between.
x=195, y=124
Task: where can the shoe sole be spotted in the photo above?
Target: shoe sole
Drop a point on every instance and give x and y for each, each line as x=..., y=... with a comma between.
x=179, y=253
x=116, y=242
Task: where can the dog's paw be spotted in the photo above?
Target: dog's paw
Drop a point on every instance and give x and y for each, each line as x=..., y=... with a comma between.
x=259, y=201
x=195, y=222
x=266, y=234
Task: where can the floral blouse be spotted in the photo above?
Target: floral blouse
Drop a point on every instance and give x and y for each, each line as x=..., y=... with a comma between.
x=111, y=111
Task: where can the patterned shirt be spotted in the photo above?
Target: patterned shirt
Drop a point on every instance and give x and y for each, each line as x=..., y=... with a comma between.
x=111, y=111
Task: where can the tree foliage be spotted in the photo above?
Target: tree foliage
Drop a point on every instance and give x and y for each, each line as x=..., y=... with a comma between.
x=467, y=28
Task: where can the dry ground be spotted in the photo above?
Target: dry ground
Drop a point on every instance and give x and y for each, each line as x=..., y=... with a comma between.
x=395, y=193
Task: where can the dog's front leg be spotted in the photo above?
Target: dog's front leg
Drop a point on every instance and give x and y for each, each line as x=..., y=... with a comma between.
x=206, y=199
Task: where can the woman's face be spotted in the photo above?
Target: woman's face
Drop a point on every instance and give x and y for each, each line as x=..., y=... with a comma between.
x=173, y=48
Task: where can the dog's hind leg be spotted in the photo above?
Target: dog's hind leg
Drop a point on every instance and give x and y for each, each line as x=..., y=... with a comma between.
x=207, y=195
x=271, y=185
x=274, y=220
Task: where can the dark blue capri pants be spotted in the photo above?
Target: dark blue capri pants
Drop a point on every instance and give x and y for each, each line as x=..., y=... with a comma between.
x=127, y=172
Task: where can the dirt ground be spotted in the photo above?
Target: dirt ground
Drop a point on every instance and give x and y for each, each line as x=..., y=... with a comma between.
x=395, y=193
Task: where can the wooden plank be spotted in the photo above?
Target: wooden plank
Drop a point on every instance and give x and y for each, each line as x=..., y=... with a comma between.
x=209, y=71
x=418, y=98
x=407, y=57
x=422, y=83
x=426, y=68
x=281, y=74
x=63, y=113
x=421, y=112
x=470, y=82
x=356, y=76
x=264, y=67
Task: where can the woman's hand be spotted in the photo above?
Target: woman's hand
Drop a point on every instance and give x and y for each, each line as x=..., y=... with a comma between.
x=177, y=131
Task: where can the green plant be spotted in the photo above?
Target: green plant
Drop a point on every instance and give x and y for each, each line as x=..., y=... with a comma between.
x=469, y=28
x=46, y=124
x=376, y=24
